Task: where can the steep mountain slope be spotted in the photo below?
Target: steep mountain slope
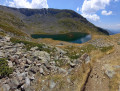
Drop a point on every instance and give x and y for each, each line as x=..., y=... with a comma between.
x=32, y=21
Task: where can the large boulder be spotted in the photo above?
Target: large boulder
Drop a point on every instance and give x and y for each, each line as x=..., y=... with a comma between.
x=85, y=58
x=44, y=56
x=109, y=70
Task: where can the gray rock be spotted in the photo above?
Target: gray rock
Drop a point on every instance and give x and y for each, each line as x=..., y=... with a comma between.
x=14, y=83
x=2, y=55
x=109, y=73
x=32, y=77
x=72, y=65
x=27, y=81
x=42, y=55
x=117, y=66
x=5, y=87
x=7, y=38
x=34, y=48
x=86, y=58
x=61, y=70
x=10, y=64
x=28, y=61
x=109, y=70
x=60, y=51
x=52, y=84
x=41, y=70
x=21, y=76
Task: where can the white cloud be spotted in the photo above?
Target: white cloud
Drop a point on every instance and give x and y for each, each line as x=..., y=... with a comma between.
x=104, y=12
x=111, y=26
x=27, y=4
x=93, y=17
x=116, y=0
x=90, y=7
x=78, y=9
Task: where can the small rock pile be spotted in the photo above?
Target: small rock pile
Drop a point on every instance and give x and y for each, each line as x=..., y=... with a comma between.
x=100, y=43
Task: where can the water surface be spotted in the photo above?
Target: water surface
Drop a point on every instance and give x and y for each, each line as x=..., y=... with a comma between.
x=74, y=37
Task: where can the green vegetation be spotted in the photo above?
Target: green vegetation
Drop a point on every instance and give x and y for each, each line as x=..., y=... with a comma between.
x=2, y=34
x=63, y=14
x=59, y=63
x=105, y=49
x=68, y=22
x=76, y=52
x=10, y=23
x=4, y=68
x=11, y=29
x=29, y=45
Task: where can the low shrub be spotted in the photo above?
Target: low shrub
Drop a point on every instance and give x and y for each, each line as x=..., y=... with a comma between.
x=4, y=68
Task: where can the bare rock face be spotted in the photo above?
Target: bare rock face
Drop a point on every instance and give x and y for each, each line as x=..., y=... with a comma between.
x=109, y=71
x=86, y=58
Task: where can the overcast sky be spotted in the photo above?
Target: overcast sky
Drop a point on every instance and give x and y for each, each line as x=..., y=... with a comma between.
x=103, y=13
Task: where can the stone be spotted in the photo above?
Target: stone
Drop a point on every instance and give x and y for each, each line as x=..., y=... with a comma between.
x=60, y=51
x=52, y=84
x=5, y=87
x=7, y=38
x=72, y=65
x=41, y=70
x=42, y=55
x=61, y=70
x=28, y=61
x=32, y=77
x=34, y=48
x=86, y=58
x=10, y=64
x=109, y=71
x=27, y=81
x=14, y=83
x=2, y=55
x=21, y=76
x=33, y=70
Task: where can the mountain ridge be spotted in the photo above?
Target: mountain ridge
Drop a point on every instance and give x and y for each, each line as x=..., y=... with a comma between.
x=32, y=21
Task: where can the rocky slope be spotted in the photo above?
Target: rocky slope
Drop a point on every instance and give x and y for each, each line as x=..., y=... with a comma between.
x=28, y=66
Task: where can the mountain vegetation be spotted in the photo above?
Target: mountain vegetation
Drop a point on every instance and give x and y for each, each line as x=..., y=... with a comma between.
x=22, y=22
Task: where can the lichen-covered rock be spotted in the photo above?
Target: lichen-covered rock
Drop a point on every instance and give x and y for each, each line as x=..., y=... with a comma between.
x=109, y=70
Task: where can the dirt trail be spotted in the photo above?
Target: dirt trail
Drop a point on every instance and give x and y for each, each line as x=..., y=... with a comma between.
x=97, y=81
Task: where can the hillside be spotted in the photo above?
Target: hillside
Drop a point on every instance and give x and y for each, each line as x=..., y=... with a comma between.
x=52, y=21
x=28, y=64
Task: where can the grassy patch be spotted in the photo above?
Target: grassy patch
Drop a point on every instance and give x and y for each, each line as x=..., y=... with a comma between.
x=59, y=63
x=2, y=34
x=76, y=52
x=105, y=49
x=67, y=22
x=87, y=48
x=11, y=29
x=4, y=68
x=29, y=45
